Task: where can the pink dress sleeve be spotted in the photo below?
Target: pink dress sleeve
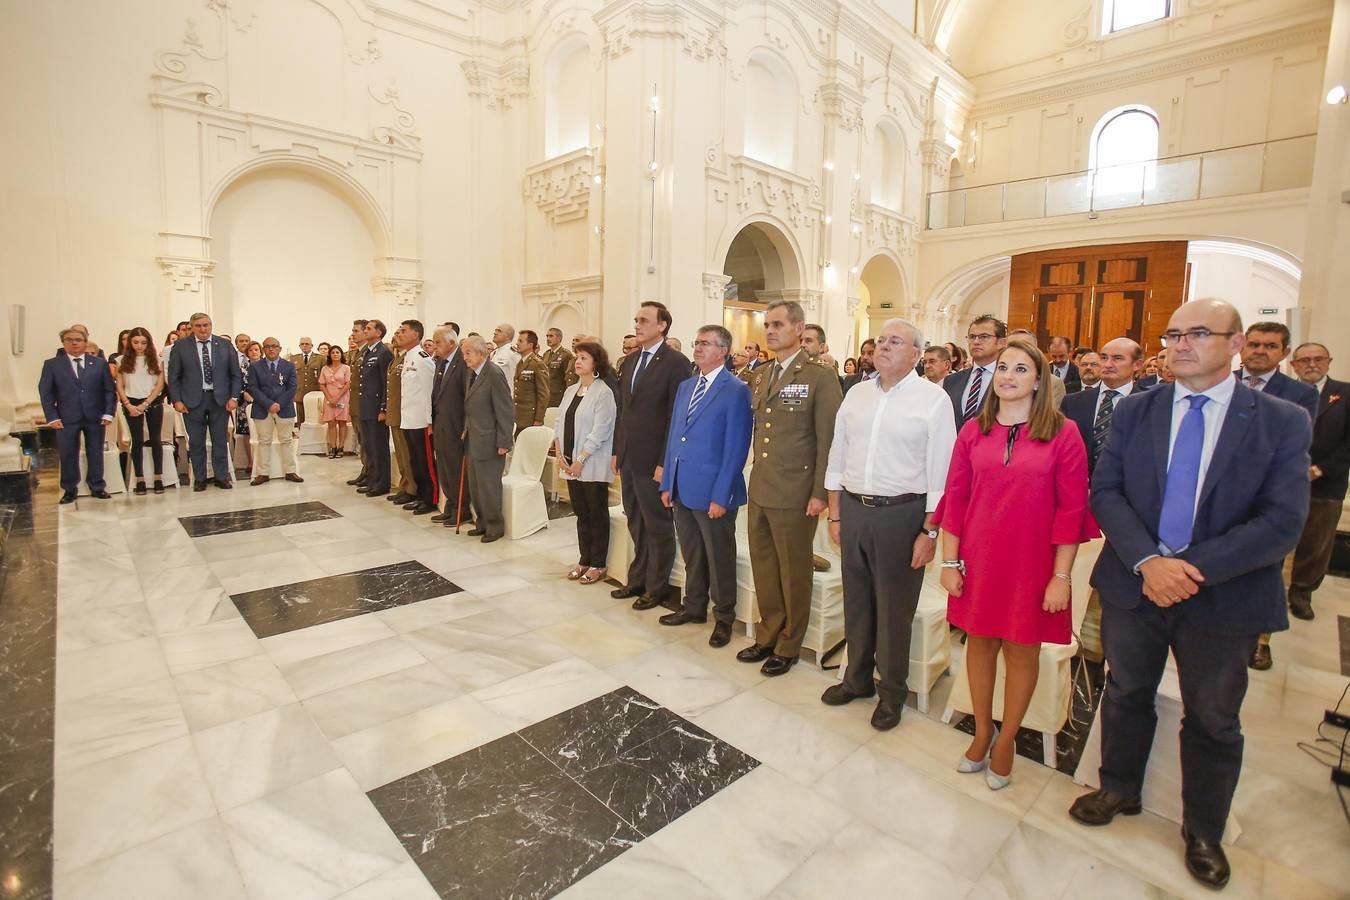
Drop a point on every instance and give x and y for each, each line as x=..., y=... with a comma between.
x=950, y=514
x=1073, y=522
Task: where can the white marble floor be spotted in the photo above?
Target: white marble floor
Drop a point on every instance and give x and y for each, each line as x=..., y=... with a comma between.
x=194, y=760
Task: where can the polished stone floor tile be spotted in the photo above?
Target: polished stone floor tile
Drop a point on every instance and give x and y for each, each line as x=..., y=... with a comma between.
x=278, y=610
x=253, y=519
x=192, y=862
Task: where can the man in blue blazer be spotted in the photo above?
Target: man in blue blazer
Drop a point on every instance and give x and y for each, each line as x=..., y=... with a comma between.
x=702, y=479
x=205, y=383
x=271, y=383
x=1201, y=491
x=78, y=398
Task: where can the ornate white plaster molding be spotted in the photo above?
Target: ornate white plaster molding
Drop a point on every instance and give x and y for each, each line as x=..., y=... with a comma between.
x=499, y=84
x=843, y=103
x=700, y=29
x=754, y=186
x=715, y=287
x=403, y=292
x=186, y=274
x=887, y=228
x=937, y=155
x=561, y=187
x=574, y=292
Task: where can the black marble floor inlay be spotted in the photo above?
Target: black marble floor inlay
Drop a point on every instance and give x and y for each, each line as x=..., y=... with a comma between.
x=531, y=813
x=277, y=610
x=252, y=519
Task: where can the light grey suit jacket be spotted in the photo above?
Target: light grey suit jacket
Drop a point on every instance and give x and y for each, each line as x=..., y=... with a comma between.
x=594, y=430
x=489, y=418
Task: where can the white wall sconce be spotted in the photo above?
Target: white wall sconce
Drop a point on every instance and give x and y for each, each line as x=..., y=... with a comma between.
x=829, y=220
x=1337, y=95
x=829, y=165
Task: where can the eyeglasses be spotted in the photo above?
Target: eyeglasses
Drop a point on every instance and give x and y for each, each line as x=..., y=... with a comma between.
x=972, y=338
x=1194, y=335
x=1316, y=360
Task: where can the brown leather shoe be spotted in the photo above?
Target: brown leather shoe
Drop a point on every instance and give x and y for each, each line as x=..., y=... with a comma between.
x=1101, y=806
x=259, y=479
x=755, y=653
x=1261, y=659
x=721, y=635
x=886, y=716
x=1206, y=861
x=291, y=476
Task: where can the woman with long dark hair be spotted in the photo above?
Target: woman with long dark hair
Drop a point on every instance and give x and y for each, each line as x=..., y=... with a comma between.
x=1014, y=511
x=335, y=380
x=140, y=390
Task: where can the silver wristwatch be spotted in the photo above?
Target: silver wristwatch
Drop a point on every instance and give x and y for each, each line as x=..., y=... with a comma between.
x=932, y=534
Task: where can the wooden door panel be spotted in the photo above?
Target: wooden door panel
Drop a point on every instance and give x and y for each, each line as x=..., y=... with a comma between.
x=1119, y=314
x=1058, y=313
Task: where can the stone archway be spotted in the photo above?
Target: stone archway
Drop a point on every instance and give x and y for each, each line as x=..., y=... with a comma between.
x=882, y=296
x=760, y=265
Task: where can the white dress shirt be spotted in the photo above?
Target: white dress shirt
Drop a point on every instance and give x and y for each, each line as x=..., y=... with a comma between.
x=417, y=379
x=1243, y=375
x=893, y=442
x=1121, y=393
x=506, y=358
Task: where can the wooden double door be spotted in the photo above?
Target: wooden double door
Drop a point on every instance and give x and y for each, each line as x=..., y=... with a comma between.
x=1095, y=294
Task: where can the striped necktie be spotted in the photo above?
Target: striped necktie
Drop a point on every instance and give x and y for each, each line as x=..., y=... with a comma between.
x=973, y=398
x=699, y=390
x=1101, y=426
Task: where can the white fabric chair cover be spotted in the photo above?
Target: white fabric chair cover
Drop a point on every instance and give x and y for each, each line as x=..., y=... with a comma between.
x=553, y=482
x=112, y=468
x=523, y=503
x=277, y=464
x=621, y=552
x=314, y=433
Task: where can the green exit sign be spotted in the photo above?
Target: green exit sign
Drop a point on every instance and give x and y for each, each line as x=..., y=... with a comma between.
x=1270, y=311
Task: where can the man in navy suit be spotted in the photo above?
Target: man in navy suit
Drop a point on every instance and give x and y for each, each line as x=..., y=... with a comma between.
x=967, y=389
x=271, y=383
x=703, y=480
x=78, y=398
x=1267, y=346
x=204, y=381
x=1092, y=408
x=1062, y=367
x=1201, y=490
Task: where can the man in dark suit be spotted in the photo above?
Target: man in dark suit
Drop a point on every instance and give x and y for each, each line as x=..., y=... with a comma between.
x=489, y=425
x=447, y=425
x=78, y=399
x=272, y=385
x=703, y=481
x=375, y=361
x=1267, y=346
x=1092, y=409
x=866, y=370
x=1330, y=475
x=1201, y=490
x=1062, y=367
x=648, y=381
x=967, y=389
x=205, y=382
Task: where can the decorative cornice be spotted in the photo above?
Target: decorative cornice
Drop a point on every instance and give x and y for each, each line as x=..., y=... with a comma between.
x=842, y=102
x=567, y=291
x=186, y=273
x=500, y=84
x=1184, y=60
x=888, y=228
x=937, y=155
x=561, y=187
x=715, y=287
x=700, y=28
x=405, y=291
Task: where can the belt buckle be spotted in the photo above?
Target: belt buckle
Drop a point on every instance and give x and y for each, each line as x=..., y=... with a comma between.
x=867, y=500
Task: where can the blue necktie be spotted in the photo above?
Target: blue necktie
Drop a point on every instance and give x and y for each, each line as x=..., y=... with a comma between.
x=1183, y=479
x=642, y=365
x=699, y=390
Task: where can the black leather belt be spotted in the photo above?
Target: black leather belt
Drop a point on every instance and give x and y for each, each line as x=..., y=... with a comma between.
x=872, y=501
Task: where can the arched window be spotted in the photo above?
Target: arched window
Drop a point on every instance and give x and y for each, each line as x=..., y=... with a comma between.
x=567, y=101
x=770, y=111
x=887, y=167
x=1117, y=15
x=1124, y=152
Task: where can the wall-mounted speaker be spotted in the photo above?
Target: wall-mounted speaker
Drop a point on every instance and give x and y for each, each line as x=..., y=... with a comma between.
x=17, y=318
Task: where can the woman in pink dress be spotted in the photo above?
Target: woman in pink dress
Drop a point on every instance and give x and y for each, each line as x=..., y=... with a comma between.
x=1013, y=514
x=335, y=381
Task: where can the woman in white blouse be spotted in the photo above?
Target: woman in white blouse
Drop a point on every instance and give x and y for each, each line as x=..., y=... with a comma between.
x=585, y=441
x=140, y=388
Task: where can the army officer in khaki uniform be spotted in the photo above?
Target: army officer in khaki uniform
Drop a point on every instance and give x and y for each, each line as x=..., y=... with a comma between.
x=559, y=362
x=405, y=489
x=795, y=400
x=531, y=389
x=355, y=353
x=307, y=364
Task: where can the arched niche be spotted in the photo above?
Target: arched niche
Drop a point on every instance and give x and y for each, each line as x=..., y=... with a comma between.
x=881, y=290
x=567, y=318
x=886, y=163
x=770, y=110
x=567, y=97
x=762, y=265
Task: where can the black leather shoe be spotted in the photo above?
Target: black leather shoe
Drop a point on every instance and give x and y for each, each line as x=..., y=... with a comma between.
x=838, y=695
x=721, y=635
x=358, y=481
x=1261, y=659
x=141, y=489
x=67, y=498
x=1101, y=806
x=1300, y=606
x=886, y=716
x=199, y=486
x=755, y=653
x=1205, y=860
x=476, y=532
x=681, y=618
x=422, y=509
x=442, y=517
x=401, y=498
x=412, y=505
x=100, y=495
x=646, y=602
x=777, y=665
x=489, y=538
x=222, y=484
x=625, y=592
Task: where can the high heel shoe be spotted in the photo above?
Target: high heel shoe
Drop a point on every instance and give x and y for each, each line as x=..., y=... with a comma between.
x=995, y=781
x=967, y=766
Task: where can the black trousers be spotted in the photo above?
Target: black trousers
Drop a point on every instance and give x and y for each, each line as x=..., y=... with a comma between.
x=152, y=418
x=209, y=417
x=68, y=446
x=881, y=592
x=375, y=439
x=709, y=549
x=590, y=503
x=1212, y=670
x=652, y=528
x=1313, y=554
x=420, y=463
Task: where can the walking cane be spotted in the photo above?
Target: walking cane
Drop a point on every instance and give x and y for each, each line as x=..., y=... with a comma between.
x=459, y=501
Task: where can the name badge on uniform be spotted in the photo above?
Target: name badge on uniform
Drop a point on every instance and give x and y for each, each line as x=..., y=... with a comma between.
x=528, y=373
x=793, y=394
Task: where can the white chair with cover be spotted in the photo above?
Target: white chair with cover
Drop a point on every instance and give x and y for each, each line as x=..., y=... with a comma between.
x=277, y=462
x=621, y=552
x=552, y=480
x=314, y=433
x=523, y=503
x=112, y=468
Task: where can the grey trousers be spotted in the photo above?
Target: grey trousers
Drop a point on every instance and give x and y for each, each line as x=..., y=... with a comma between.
x=485, y=486
x=709, y=549
x=652, y=528
x=881, y=592
x=1313, y=554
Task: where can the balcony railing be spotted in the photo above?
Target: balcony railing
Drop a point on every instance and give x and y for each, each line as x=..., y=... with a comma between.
x=1228, y=172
